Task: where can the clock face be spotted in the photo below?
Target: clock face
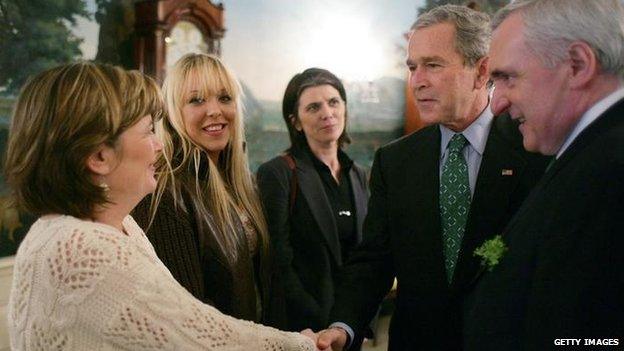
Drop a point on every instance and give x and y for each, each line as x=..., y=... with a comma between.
x=184, y=38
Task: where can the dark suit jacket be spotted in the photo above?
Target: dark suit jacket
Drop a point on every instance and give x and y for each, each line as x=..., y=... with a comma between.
x=563, y=275
x=305, y=244
x=402, y=235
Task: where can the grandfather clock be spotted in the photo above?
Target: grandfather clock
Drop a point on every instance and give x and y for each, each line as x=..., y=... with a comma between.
x=168, y=29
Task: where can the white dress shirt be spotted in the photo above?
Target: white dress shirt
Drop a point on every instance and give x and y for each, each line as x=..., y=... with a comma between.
x=476, y=134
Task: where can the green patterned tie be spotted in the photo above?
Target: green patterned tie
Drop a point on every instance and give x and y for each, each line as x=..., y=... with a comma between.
x=454, y=201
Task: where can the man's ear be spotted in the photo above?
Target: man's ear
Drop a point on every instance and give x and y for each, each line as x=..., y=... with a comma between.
x=101, y=161
x=583, y=64
x=295, y=122
x=481, y=69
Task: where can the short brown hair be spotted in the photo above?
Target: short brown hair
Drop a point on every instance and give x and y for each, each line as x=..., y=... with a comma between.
x=61, y=116
x=472, y=29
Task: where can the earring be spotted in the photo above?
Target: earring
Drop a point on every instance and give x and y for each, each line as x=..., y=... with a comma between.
x=104, y=186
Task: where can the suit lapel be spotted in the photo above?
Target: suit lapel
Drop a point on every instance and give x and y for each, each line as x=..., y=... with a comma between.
x=312, y=190
x=418, y=190
x=526, y=204
x=500, y=171
x=360, y=199
x=422, y=180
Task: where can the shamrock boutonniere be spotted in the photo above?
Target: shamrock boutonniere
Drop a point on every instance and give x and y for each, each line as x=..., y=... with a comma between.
x=491, y=252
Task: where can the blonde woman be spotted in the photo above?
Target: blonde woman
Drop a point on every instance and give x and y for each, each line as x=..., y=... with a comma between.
x=205, y=219
x=81, y=155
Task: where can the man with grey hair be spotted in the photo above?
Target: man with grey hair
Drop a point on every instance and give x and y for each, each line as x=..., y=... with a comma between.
x=558, y=68
x=437, y=194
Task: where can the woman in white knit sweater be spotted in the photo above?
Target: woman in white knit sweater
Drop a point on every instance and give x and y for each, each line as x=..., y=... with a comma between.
x=81, y=155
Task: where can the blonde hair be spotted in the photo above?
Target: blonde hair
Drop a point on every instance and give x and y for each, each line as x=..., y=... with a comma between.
x=61, y=116
x=230, y=187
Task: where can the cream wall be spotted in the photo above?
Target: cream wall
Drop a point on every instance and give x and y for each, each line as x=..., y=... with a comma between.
x=6, y=275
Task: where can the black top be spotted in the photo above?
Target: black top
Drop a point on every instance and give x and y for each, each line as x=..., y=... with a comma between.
x=340, y=197
x=183, y=240
x=305, y=244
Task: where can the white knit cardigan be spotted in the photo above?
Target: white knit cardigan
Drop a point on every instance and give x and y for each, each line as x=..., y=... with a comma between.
x=81, y=285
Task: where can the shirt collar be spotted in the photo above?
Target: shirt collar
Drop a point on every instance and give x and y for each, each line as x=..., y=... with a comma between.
x=591, y=115
x=345, y=161
x=476, y=133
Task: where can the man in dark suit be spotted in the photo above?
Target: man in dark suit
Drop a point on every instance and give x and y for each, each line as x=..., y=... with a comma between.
x=437, y=194
x=558, y=68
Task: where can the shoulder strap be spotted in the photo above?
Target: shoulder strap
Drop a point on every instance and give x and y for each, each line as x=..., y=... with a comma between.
x=290, y=161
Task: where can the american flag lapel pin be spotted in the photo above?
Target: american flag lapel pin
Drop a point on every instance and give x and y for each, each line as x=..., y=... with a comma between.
x=507, y=172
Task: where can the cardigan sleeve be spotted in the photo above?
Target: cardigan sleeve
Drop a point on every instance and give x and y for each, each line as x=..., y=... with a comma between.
x=96, y=288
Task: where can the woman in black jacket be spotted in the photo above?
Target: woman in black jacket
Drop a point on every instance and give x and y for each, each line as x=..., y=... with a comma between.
x=314, y=198
x=205, y=219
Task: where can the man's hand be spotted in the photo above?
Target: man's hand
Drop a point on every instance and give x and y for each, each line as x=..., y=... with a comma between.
x=314, y=337
x=334, y=337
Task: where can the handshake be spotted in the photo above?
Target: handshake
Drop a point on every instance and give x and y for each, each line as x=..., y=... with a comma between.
x=331, y=339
